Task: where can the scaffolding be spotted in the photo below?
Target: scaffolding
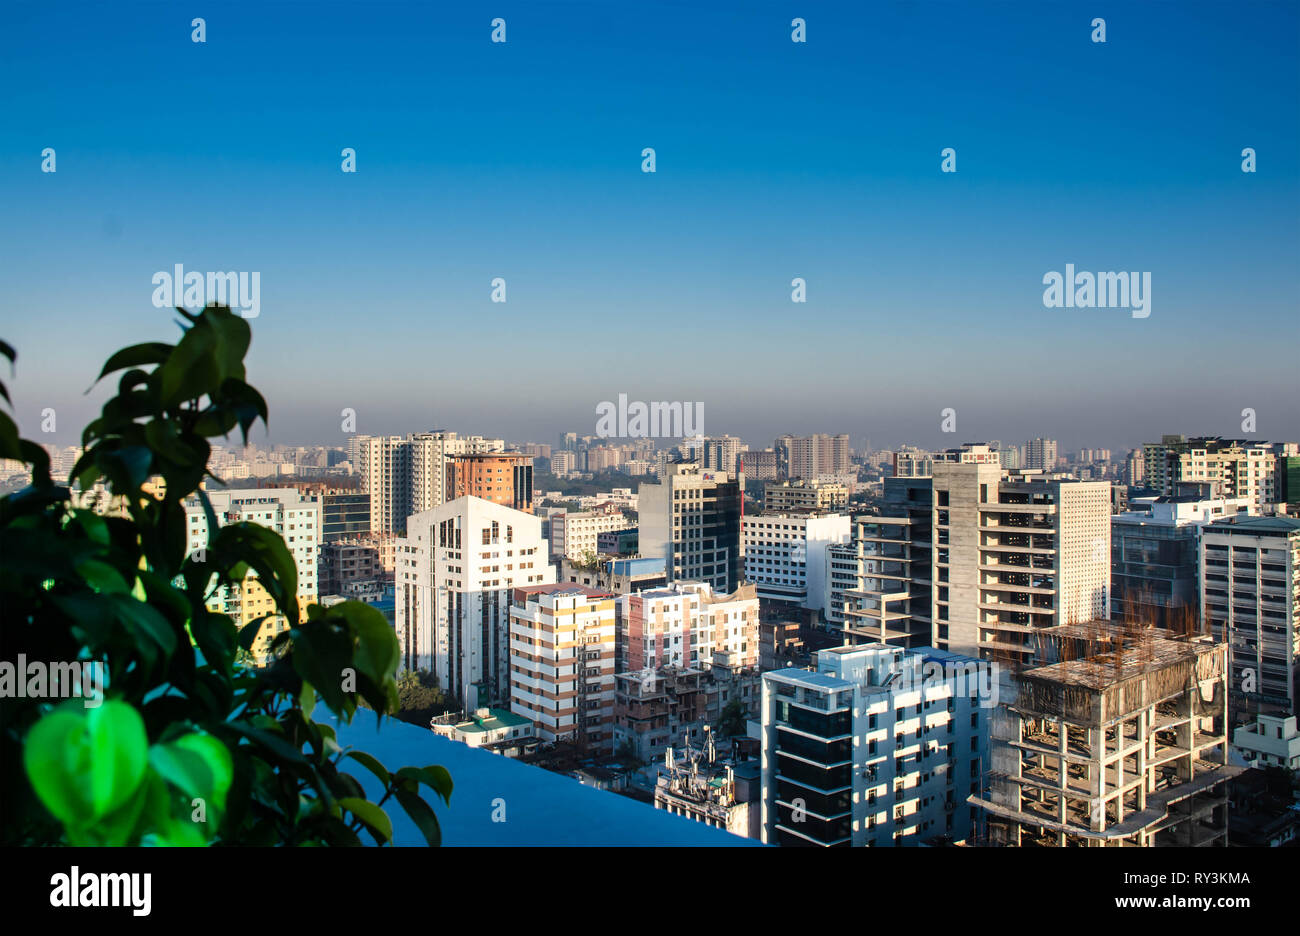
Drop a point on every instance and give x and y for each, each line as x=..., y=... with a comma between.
x=1118, y=737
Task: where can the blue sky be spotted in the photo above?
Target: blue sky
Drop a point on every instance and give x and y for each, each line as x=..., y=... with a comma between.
x=775, y=160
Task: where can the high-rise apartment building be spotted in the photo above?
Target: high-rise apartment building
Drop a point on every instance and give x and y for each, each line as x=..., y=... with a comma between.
x=814, y=456
x=687, y=625
x=576, y=534
x=1155, y=558
x=1232, y=468
x=456, y=568
x=432, y=455
x=1250, y=584
x=994, y=555
x=722, y=454
x=786, y=554
x=1014, y=554
x=563, y=463
x=691, y=518
x=880, y=746
x=504, y=478
x=881, y=582
x=286, y=511
x=1041, y=454
x=562, y=662
x=410, y=474
x=384, y=463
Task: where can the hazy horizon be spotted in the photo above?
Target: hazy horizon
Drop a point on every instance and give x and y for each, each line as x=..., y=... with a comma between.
x=775, y=160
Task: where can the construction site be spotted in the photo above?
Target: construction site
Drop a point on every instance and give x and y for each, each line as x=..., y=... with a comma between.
x=1115, y=735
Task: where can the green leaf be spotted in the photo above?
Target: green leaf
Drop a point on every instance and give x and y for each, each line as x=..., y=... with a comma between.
x=422, y=815
x=320, y=654
x=372, y=764
x=153, y=352
x=377, y=649
x=102, y=577
x=196, y=764
x=144, y=621
x=435, y=778
x=85, y=763
x=374, y=818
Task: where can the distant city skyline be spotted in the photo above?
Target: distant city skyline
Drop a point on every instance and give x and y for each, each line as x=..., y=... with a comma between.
x=775, y=160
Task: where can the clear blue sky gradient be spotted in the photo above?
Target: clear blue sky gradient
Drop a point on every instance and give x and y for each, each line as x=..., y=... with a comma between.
x=775, y=160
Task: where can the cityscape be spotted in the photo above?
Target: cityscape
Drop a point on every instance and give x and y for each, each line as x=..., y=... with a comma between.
x=656, y=426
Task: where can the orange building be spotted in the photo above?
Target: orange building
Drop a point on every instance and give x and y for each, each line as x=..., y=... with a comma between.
x=504, y=478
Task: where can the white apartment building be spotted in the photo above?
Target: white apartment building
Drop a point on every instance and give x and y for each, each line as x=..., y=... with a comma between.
x=687, y=625
x=563, y=463
x=1250, y=588
x=575, y=535
x=456, y=567
x=1272, y=741
x=786, y=554
x=880, y=746
x=562, y=662
x=1233, y=468
x=286, y=511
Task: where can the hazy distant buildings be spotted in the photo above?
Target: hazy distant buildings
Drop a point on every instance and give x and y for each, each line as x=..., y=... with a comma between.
x=763, y=465
x=1041, y=454
x=691, y=518
x=563, y=463
x=723, y=453
x=813, y=456
x=1231, y=467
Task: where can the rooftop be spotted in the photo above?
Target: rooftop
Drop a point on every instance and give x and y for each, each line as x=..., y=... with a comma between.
x=540, y=807
x=495, y=720
x=1254, y=525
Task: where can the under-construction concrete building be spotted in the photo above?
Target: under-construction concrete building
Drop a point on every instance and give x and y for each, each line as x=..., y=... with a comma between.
x=1114, y=737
